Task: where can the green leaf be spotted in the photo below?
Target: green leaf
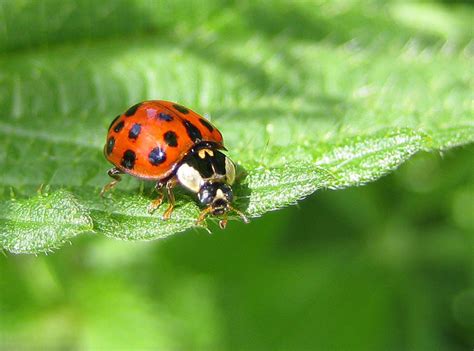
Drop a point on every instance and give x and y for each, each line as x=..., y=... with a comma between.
x=42, y=223
x=326, y=96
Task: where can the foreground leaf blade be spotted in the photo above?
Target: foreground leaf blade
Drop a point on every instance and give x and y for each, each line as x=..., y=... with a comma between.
x=42, y=223
x=301, y=107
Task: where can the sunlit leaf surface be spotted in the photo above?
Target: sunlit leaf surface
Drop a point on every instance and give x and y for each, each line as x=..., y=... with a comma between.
x=339, y=100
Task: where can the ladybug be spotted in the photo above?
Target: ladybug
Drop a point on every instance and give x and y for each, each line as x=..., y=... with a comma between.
x=171, y=145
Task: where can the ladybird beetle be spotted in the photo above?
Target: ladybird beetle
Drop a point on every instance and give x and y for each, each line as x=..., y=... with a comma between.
x=169, y=144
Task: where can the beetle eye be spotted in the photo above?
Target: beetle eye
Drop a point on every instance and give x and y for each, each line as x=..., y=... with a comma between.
x=205, y=194
x=227, y=190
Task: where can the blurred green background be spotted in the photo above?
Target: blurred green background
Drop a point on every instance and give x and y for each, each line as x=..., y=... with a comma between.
x=386, y=266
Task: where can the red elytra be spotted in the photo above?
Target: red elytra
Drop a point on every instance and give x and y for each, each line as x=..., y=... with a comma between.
x=151, y=137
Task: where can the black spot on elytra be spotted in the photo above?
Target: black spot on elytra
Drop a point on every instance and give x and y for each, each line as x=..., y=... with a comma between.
x=112, y=123
x=131, y=111
x=193, y=132
x=110, y=145
x=128, y=159
x=165, y=117
x=134, y=131
x=181, y=109
x=206, y=124
x=157, y=156
x=118, y=127
x=171, y=138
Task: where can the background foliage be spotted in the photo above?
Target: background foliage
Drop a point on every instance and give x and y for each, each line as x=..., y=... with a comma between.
x=309, y=95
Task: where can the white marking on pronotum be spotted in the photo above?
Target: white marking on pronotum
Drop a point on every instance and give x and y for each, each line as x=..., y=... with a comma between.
x=189, y=177
x=202, y=153
x=229, y=171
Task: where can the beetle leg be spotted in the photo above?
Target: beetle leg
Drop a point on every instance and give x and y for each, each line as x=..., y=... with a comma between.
x=115, y=174
x=240, y=213
x=203, y=215
x=169, y=193
x=223, y=222
x=159, y=199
